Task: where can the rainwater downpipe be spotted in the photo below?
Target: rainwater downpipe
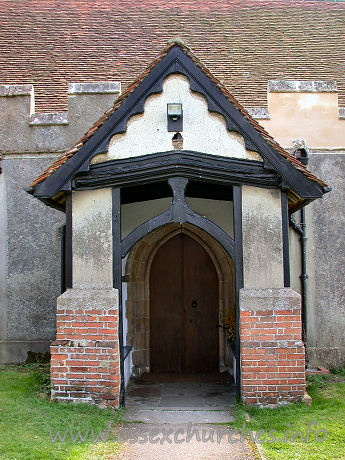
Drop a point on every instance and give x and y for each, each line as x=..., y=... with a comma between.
x=301, y=230
x=302, y=155
x=304, y=276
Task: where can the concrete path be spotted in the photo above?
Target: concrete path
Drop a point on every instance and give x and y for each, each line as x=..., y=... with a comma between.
x=180, y=442
x=179, y=415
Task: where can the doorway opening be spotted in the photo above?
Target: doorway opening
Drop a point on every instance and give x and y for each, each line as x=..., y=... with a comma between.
x=138, y=266
x=180, y=284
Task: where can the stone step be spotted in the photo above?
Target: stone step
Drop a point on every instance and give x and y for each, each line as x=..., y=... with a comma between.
x=177, y=415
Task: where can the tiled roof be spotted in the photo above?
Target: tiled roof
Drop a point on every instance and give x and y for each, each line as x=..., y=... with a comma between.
x=50, y=43
x=296, y=163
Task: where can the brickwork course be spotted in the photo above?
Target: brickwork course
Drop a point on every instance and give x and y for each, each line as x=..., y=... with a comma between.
x=85, y=357
x=243, y=43
x=272, y=356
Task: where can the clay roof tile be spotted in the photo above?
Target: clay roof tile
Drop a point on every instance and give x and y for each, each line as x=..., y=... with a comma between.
x=291, y=158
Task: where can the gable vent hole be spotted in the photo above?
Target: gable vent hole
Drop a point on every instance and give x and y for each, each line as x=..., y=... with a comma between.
x=177, y=141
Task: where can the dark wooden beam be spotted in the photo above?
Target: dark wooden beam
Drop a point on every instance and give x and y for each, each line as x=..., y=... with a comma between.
x=238, y=277
x=117, y=281
x=160, y=166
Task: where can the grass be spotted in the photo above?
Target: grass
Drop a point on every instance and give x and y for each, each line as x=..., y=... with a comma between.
x=27, y=416
x=327, y=411
x=338, y=371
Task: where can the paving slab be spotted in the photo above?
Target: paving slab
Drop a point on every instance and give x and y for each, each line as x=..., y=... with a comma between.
x=179, y=415
x=181, y=441
x=205, y=398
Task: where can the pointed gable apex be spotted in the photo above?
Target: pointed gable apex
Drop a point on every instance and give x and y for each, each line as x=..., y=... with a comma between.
x=177, y=58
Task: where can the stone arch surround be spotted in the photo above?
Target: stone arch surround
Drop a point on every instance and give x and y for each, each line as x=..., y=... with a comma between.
x=137, y=275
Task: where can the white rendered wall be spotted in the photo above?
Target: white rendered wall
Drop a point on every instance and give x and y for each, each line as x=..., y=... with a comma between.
x=128, y=364
x=219, y=212
x=295, y=260
x=203, y=131
x=92, y=239
x=134, y=214
x=262, y=238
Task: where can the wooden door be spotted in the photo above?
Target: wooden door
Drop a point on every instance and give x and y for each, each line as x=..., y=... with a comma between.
x=183, y=308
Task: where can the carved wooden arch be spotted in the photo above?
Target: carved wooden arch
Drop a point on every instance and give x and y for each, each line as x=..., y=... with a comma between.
x=179, y=211
x=138, y=267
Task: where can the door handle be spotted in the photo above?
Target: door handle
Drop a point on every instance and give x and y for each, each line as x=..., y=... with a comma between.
x=194, y=304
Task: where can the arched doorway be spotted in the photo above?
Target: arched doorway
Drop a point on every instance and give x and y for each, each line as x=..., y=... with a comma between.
x=184, y=308
x=137, y=291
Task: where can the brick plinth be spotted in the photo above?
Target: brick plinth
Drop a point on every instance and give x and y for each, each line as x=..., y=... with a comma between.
x=272, y=351
x=85, y=364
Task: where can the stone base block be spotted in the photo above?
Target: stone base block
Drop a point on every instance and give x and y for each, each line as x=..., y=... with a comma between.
x=272, y=351
x=85, y=361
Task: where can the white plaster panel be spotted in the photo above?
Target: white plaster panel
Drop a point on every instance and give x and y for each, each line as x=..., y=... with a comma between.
x=295, y=260
x=135, y=214
x=219, y=212
x=128, y=366
x=203, y=131
x=262, y=238
x=92, y=239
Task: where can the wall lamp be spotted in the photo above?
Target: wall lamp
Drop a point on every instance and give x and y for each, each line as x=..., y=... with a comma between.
x=175, y=117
